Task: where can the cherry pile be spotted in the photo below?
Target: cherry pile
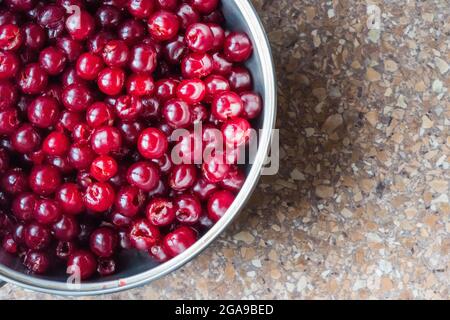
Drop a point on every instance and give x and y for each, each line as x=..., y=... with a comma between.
x=90, y=93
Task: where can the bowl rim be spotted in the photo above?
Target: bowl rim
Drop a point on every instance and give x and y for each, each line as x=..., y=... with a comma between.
x=262, y=46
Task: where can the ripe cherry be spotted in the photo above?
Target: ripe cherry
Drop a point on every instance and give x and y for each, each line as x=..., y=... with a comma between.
x=152, y=143
x=189, y=209
x=43, y=111
x=219, y=203
x=237, y=47
x=110, y=81
x=129, y=200
x=103, y=168
x=44, y=179
x=82, y=263
x=179, y=240
x=192, y=91
x=163, y=25
x=103, y=242
x=199, y=37
x=144, y=175
x=70, y=199
x=143, y=235
x=161, y=212
x=99, y=196
x=66, y=228
x=89, y=66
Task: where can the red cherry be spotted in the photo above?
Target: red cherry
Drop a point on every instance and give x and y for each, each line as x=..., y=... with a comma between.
x=99, y=197
x=143, y=235
x=152, y=143
x=103, y=168
x=160, y=212
x=179, y=241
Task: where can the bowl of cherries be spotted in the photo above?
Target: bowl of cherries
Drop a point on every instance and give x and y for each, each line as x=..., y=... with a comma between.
x=125, y=130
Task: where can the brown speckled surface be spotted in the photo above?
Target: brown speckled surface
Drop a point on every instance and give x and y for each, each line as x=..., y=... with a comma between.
x=360, y=208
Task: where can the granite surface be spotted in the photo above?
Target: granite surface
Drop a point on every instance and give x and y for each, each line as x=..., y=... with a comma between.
x=360, y=207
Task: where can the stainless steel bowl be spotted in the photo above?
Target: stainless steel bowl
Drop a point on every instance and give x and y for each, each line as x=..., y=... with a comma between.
x=138, y=268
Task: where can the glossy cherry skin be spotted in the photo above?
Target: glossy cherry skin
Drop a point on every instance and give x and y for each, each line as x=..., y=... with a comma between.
x=144, y=175
x=166, y=89
x=89, y=66
x=11, y=37
x=140, y=8
x=108, y=16
x=9, y=244
x=9, y=121
x=175, y=50
x=103, y=242
x=182, y=177
x=152, y=143
x=130, y=131
x=105, y=140
x=140, y=84
x=110, y=81
x=234, y=180
x=80, y=156
x=163, y=25
x=21, y=5
x=99, y=114
x=219, y=36
x=43, y=111
x=215, y=168
x=70, y=76
x=143, y=58
x=32, y=79
x=71, y=47
x=237, y=47
x=196, y=65
x=9, y=65
x=205, y=6
x=66, y=228
x=189, y=209
x=221, y=65
x=98, y=41
x=219, y=203
x=129, y=201
x=236, y=132
x=99, y=196
x=80, y=26
x=240, y=79
x=128, y=108
x=192, y=91
x=44, y=179
x=8, y=95
x=160, y=212
x=77, y=97
x=23, y=206
x=116, y=53
x=169, y=5
x=37, y=262
x=25, y=139
x=52, y=60
x=70, y=199
x=34, y=36
x=82, y=263
x=119, y=220
x=51, y=18
x=199, y=37
x=187, y=15
x=103, y=168
x=36, y=236
x=252, y=105
x=143, y=235
x=131, y=31
x=215, y=84
x=203, y=189
x=177, y=113
x=179, y=240
x=227, y=105
x=14, y=181
x=46, y=211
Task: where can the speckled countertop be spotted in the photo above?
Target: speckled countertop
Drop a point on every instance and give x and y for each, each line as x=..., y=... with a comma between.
x=360, y=208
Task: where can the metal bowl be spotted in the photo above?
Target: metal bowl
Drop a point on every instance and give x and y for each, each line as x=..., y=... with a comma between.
x=138, y=268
